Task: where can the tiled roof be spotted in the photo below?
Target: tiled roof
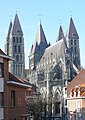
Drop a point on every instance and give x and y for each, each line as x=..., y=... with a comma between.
x=18, y=80
x=79, y=79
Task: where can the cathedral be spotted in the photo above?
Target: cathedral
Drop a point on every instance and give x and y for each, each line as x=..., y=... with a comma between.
x=51, y=67
x=54, y=66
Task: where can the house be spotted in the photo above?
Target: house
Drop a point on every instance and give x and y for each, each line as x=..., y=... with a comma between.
x=12, y=92
x=76, y=97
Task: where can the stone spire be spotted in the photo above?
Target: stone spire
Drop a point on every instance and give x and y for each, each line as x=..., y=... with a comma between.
x=7, y=39
x=40, y=43
x=71, y=30
x=60, y=34
x=9, y=30
x=16, y=28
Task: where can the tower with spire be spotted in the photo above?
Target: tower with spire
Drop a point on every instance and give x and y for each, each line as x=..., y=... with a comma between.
x=72, y=41
x=60, y=34
x=38, y=48
x=15, y=47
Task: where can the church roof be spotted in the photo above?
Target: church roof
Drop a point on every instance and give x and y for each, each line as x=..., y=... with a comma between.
x=16, y=28
x=57, y=50
x=60, y=34
x=71, y=30
x=40, y=41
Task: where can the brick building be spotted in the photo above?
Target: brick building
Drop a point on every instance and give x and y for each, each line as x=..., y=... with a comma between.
x=12, y=92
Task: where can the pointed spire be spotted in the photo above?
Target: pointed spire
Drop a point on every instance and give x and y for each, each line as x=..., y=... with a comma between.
x=40, y=39
x=60, y=34
x=71, y=31
x=16, y=29
x=9, y=30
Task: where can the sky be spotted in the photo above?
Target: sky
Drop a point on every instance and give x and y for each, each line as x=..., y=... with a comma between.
x=52, y=13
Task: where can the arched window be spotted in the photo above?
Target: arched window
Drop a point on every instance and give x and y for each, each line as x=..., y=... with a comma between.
x=71, y=41
x=20, y=58
x=74, y=42
x=19, y=48
x=17, y=58
x=20, y=38
x=17, y=39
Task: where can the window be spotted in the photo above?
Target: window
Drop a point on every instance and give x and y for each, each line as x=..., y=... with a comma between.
x=20, y=39
x=74, y=42
x=15, y=48
x=71, y=49
x=17, y=39
x=14, y=39
x=20, y=58
x=1, y=99
x=17, y=58
x=12, y=98
x=19, y=48
x=71, y=41
x=57, y=107
x=75, y=49
x=1, y=70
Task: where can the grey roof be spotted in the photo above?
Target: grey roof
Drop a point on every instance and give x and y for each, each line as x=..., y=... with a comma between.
x=40, y=43
x=9, y=30
x=57, y=50
x=16, y=28
x=71, y=30
x=60, y=34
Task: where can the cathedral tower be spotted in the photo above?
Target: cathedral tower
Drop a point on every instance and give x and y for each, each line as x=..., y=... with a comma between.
x=72, y=40
x=15, y=47
x=38, y=47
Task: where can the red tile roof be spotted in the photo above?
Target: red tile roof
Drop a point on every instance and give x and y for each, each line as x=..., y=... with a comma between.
x=79, y=79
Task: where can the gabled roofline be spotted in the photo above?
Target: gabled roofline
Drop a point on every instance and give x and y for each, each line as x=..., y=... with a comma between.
x=19, y=84
x=7, y=57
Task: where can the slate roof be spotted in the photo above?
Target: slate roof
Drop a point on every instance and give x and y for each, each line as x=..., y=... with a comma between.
x=9, y=30
x=40, y=43
x=57, y=50
x=16, y=27
x=71, y=30
x=60, y=34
